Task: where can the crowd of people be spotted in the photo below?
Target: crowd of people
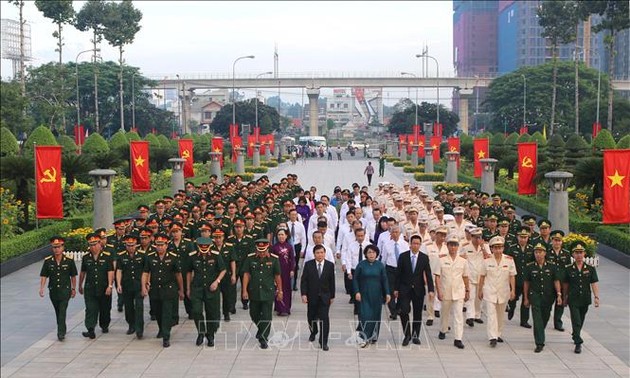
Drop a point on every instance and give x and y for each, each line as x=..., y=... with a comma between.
x=399, y=249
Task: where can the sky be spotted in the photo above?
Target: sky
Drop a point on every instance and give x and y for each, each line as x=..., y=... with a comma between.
x=192, y=38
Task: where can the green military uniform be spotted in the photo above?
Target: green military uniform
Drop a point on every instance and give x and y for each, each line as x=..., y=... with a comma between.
x=163, y=288
x=561, y=259
x=241, y=248
x=206, y=268
x=115, y=244
x=579, y=295
x=228, y=290
x=261, y=290
x=521, y=256
x=59, y=276
x=131, y=269
x=98, y=306
x=182, y=250
x=542, y=295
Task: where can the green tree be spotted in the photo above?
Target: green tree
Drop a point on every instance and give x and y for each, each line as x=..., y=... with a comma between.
x=20, y=5
x=576, y=149
x=120, y=144
x=67, y=144
x=60, y=12
x=524, y=138
x=245, y=114
x=132, y=135
x=555, y=156
x=95, y=144
x=497, y=146
x=404, y=117
x=76, y=167
x=466, y=146
x=589, y=174
x=621, y=116
x=121, y=24
x=615, y=17
x=8, y=144
x=603, y=141
x=624, y=143
x=17, y=171
x=13, y=109
x=559, y=19
x=48, y=95
x=42, y=136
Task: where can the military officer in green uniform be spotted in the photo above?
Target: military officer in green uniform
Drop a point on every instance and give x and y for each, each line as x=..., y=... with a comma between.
x=579, y=280
x=162, y=281
x=523, y=253
x=530, y=222
x=228, y=286
x=129, y=278
x=97, y=272
x=490, y=229
x=541, y=290
x=205, y=272
x=242, y=246
x=61, y=273
x=544, y=238
x=115, y=244
x=261, y=284
x=181, y=247
x=561, y=257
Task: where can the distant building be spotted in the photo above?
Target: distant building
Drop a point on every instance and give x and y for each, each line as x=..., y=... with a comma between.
x=340, y=108
x=205, y=105
x=475, y=37
x=209, y=111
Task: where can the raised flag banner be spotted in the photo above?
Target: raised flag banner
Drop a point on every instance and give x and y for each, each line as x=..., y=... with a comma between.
x=272, y=144
x=453, y=146
x=257, y=134
x=262, y=139
x=186, y=152
x=79, y=135
x=597, y=127
x=527, y=165
x=481, y=150
x=250, y=146
x=140, y=174
x=523, y=130
x=435, y=143
x=401, y=139
x=217, y=146
x=416, y=133
x=616, y=186
x=233, y=130
x=437, y=129
x=410, y=143
x=237, y=142
x=421, y=143
x=48, y=182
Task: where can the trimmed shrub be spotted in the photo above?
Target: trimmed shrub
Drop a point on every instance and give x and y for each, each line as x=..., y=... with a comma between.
x=132, y=135
x=31, y=240
x=624, y=142
x=456, y=188
x=67, y=144
x=8, y=144
x=270, y=163
x=247, y=176
x=614, y=237
x=410, y=169
x=256, y=169
x=42, y=136
x=95, y=144
x=603, y=141
x=398, y=163
x=428, y=177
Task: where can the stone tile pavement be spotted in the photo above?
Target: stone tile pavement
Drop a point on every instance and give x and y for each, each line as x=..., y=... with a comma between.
x=29, y=346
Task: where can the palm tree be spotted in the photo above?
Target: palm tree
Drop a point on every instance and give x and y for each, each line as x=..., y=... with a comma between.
x=73, y=165
x=20, y=171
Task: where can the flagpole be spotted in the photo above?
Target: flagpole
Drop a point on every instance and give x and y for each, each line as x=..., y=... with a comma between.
x=35, y=176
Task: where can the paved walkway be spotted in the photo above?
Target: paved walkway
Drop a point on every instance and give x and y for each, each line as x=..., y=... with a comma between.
x=29, y=346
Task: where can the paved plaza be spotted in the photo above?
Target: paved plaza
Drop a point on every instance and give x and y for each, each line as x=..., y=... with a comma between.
x=29, y=346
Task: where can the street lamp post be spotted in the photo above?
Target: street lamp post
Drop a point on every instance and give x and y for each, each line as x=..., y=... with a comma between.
x=133, y=101
x=233, y=85
x=524, y=99
x=76, y=72
x=414, y=75
x=256, y=96
x=437, y=65
x=599, y=76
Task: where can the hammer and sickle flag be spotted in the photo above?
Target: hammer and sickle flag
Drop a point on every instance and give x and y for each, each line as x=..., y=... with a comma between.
x=48, y=182
x=481, y=150
x=140, y=173
x=186, y=152
x=527, y=165
x=616, y=186
x=453, y=146
x=217, y=146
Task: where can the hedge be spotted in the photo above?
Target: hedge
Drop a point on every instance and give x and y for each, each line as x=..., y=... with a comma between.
x=392, y=159
x=398, y=163
x=456, y=188
x=260, y=169
x=31, y=240
x=410, y=169
x=428, y=177
x=614, y=237
x=248, y=176
x=270, y=163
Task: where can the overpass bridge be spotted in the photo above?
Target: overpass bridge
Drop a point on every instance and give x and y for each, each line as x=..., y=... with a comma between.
x=313, y=81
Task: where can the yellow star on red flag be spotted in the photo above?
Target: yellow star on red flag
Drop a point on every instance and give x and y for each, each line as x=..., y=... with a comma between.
x=481, y=154
x=139, y=161
x=616, y=179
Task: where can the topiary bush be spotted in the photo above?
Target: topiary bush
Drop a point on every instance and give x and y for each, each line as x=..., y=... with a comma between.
x=624, y=142
x=95, y=144
x=42, y=136
x=8, y=144
x=603, y=141
x=132, y=135
x=256, y=169
x=67, y=144
x=429, y=176
x=576, y=149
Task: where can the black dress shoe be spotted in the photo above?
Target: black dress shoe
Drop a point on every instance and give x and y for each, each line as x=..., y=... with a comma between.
x=166, y=343
x=159, y=335
x=441, y=335
x=263, y=344
x=416, y=341
x=493, y=343
x=499, y=339
x=406, y=340
x=190, y=317
x=479, y=321
x=120, y=309
x=233, y=310
x=526, y=325
x=325, y=348
x=210, y=342
x=130, y=331
x=511, y=312
x=437, y=314
x=294, y=288
x=458, y=344
x=538, y=349
x=226, y=317
x=61, y=337
x=578, y=348
x=139, y=335
x=429, y=322
x=199, y=340
x=393, y=317
x=105, y=330
x=89, y=333
x=560, y=328
x=153, y=317
x=311, y=338
x=470, y=322
x=245, y=306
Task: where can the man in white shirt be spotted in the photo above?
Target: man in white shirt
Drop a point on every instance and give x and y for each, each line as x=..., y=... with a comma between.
x=392, y=248
x=344, y=229
x=351, y=258
x=452, y=289
x=434, y=250
x=328, y=236
x=475, y=252
x=370, y=227
x=320, y=210
x=318, y=239
x=298, y=238
x=349, y=204
x=331, y=211
x=458, y=227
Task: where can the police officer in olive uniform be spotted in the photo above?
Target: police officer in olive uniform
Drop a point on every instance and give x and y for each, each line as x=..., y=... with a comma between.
x=228, y=286
x=541, y=289
x=561, y=257
x=579, y=280
x=261, y=284
x=97, y=272
x=523, y=253
x=206, y=270
x=61, y=273
x=162, y=281
x=242, y=246
x=129, y=278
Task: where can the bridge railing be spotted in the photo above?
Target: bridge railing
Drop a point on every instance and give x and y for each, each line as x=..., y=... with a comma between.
x=304, y=74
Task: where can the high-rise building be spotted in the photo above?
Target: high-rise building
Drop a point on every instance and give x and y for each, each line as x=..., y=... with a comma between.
x=475, y=37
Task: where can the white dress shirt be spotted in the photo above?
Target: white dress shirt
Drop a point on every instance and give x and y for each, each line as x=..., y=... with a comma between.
x=312, y=222
x=309, y=255
x=350, y=256
x=333, y=216
x=388, y=253
x=300, y=233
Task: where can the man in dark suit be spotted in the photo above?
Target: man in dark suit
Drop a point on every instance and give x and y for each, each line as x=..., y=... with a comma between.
x=411, y=276
x=318, y=291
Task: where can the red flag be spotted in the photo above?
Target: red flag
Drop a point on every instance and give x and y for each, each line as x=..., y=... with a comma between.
x=409, y=144
x=79, y=135
x=527, y=165
x=616, y=186
x=233, y=130
x=257, y=134
x=262, y=139
x=186, y=152
x=437, y=129
x=416, y=133
x=481, y=150
x=435, y=143
x=421, y=142
x=453, y=146
x=250, y=146
x=140, y=175
x=48, y=182
x=217, y=146
x=597, y=127
x=523, y=130
x=272, y=144
x=237, y=142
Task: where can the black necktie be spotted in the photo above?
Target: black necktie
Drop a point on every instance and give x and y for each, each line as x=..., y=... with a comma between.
x=360, y=252
x=319, y=270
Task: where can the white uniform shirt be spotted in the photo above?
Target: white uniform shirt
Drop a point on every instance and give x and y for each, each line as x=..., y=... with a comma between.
x=496, y=285
x=350, y=256
x=300, y=233
x=451, y=274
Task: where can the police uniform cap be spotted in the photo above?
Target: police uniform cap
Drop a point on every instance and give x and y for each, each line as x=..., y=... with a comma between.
x=477, y=231
x=203, y=241
x=557, y=234
x=458, y=210
x=503, y=221
x=474, y=205
x=492, y=217
x=152, y=221
x=423, y=220
x=529, y=219
x=540, y=246
x=161, y=239
x=438, y=209
x=57, y=240
x=497, y=240
x=452, y=239
x=544, y=223
x=406, y=200
x=442, y=230
x=412, y=209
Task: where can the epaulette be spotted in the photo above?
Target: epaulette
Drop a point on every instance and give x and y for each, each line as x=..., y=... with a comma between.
x=251, y=254
x=106, y=253
x=229, y=244
x=151, y=253
x=48, y=257
x=274, y=255
x=443, y=255
x=139, y=251
x=121, y=253
x=258, y=227
x=192, y=253
x=568, y=265
x=172, y=254
x=531, y=263
x=109, y=245
x=68, y=257
x=187, y=239
x=214, y=252
x=509, y=257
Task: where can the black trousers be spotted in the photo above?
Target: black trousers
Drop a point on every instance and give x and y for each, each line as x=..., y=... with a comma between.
x=391, y=280
x=318, y=319
x=405, y=302
x=369, y=177
x=298, y=251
